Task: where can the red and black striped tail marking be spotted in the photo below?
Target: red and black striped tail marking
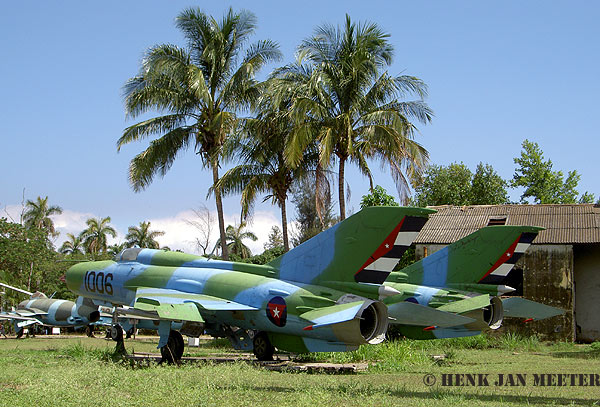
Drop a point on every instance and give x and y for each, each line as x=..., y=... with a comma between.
x=507, y=261
x=384, y=259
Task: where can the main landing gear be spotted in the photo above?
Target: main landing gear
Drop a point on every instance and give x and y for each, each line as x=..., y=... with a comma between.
x=263, y=348
x=116, y=334
x=173, y=350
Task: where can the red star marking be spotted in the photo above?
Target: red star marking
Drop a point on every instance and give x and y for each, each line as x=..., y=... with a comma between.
x=276, y=310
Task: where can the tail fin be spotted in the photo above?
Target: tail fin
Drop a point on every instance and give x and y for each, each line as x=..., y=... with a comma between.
x=485, y=256
x=352, y=250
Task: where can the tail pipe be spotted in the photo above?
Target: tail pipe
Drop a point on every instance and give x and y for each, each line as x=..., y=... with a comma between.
x=373, y=322
x=493, y=314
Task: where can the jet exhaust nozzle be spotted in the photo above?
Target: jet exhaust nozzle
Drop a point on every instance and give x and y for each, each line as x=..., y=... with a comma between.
x=373, y=322
x=493, y=314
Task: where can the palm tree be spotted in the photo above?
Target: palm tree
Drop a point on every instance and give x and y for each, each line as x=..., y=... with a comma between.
x=260, y=147
x=73, y=245
x=37, y=215
x=116, y=248
x=200, y=88
x=95, y=236
x=345, y=101
x=142, y=236
x=235, y=236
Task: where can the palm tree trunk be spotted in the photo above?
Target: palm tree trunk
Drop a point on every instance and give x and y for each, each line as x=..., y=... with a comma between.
x=284, y=228
x=341, y=194
x=215, y=170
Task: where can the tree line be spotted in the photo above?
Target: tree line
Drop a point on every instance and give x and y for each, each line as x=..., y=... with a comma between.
x=455, y=184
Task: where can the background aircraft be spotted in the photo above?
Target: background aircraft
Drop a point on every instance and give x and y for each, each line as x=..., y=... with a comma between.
x=41, y=310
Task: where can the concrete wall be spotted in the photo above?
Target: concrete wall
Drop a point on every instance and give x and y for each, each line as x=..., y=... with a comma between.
x=587, y=284
x=548, y=279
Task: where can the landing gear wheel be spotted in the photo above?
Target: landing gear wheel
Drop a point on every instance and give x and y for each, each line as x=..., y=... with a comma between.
x=19, y=333
x=130, y=332
x=116, y=333
x=89, y=331
x=173, y=350
x=263, y=349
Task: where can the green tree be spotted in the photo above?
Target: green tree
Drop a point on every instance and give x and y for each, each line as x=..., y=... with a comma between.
x=142, y=236
x=73, y=245
x=311, y=221
x=348, y=103
x=442, y=185
x=115, y=249
x=487, y=187
x=37, y=215
x=95, y=236
x=455, y=184
x=541, y=183
x=263, y=169
x=23, y=254
x=235, y=236
x=587, y=197
x=200, y=88
x=275, y=239
x=377, y=197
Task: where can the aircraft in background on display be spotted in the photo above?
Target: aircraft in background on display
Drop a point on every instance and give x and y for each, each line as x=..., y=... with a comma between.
x=39, y=310
x=327, y=294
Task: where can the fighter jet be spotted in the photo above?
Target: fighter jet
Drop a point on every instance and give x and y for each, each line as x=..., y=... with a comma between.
x=456, y=290
x=298, y=303
x=41, y=310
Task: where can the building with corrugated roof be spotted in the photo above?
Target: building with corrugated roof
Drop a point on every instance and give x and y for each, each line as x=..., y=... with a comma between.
x=561, y=267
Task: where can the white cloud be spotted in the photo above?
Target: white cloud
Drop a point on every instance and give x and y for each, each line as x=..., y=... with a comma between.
x=179, y=234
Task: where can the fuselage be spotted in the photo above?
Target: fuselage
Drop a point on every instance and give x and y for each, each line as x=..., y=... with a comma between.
x=55, y=312
x=277, y=304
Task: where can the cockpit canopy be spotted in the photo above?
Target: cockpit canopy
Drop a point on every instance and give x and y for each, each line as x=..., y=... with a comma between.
x=128, y=254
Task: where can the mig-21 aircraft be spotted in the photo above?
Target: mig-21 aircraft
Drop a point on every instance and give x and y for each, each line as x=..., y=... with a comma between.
x=41, y=310
x=327, y=294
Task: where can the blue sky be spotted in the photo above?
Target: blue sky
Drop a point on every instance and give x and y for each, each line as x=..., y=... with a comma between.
x=497, y=73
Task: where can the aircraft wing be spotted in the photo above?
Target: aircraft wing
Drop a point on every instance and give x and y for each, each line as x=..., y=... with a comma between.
x=180, y=305
x=521, y=308
x=23, y=314
x=409, y=313
x=468, y=304
x=333, y=314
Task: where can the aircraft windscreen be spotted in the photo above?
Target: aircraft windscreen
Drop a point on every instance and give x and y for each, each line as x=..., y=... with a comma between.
x=128, y=254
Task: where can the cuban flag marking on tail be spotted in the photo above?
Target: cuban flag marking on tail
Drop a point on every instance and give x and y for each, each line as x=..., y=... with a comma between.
x=384, y=259
x=277, y=311
x=507, y=261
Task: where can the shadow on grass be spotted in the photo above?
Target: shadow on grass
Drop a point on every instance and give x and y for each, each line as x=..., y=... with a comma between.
x=433, y=394
x=589, y=354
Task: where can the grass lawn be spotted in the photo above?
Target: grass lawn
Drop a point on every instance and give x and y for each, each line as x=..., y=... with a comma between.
x=78, y=371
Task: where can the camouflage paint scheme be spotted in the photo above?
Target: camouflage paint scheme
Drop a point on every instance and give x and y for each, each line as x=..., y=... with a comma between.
x=300, y=300
x=463, y=278
x=332, y=293
x=40, y=310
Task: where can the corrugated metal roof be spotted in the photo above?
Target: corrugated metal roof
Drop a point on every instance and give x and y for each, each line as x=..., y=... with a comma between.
x=565, y=224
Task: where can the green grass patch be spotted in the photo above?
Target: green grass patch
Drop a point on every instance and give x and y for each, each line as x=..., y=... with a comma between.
x=79, y=371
